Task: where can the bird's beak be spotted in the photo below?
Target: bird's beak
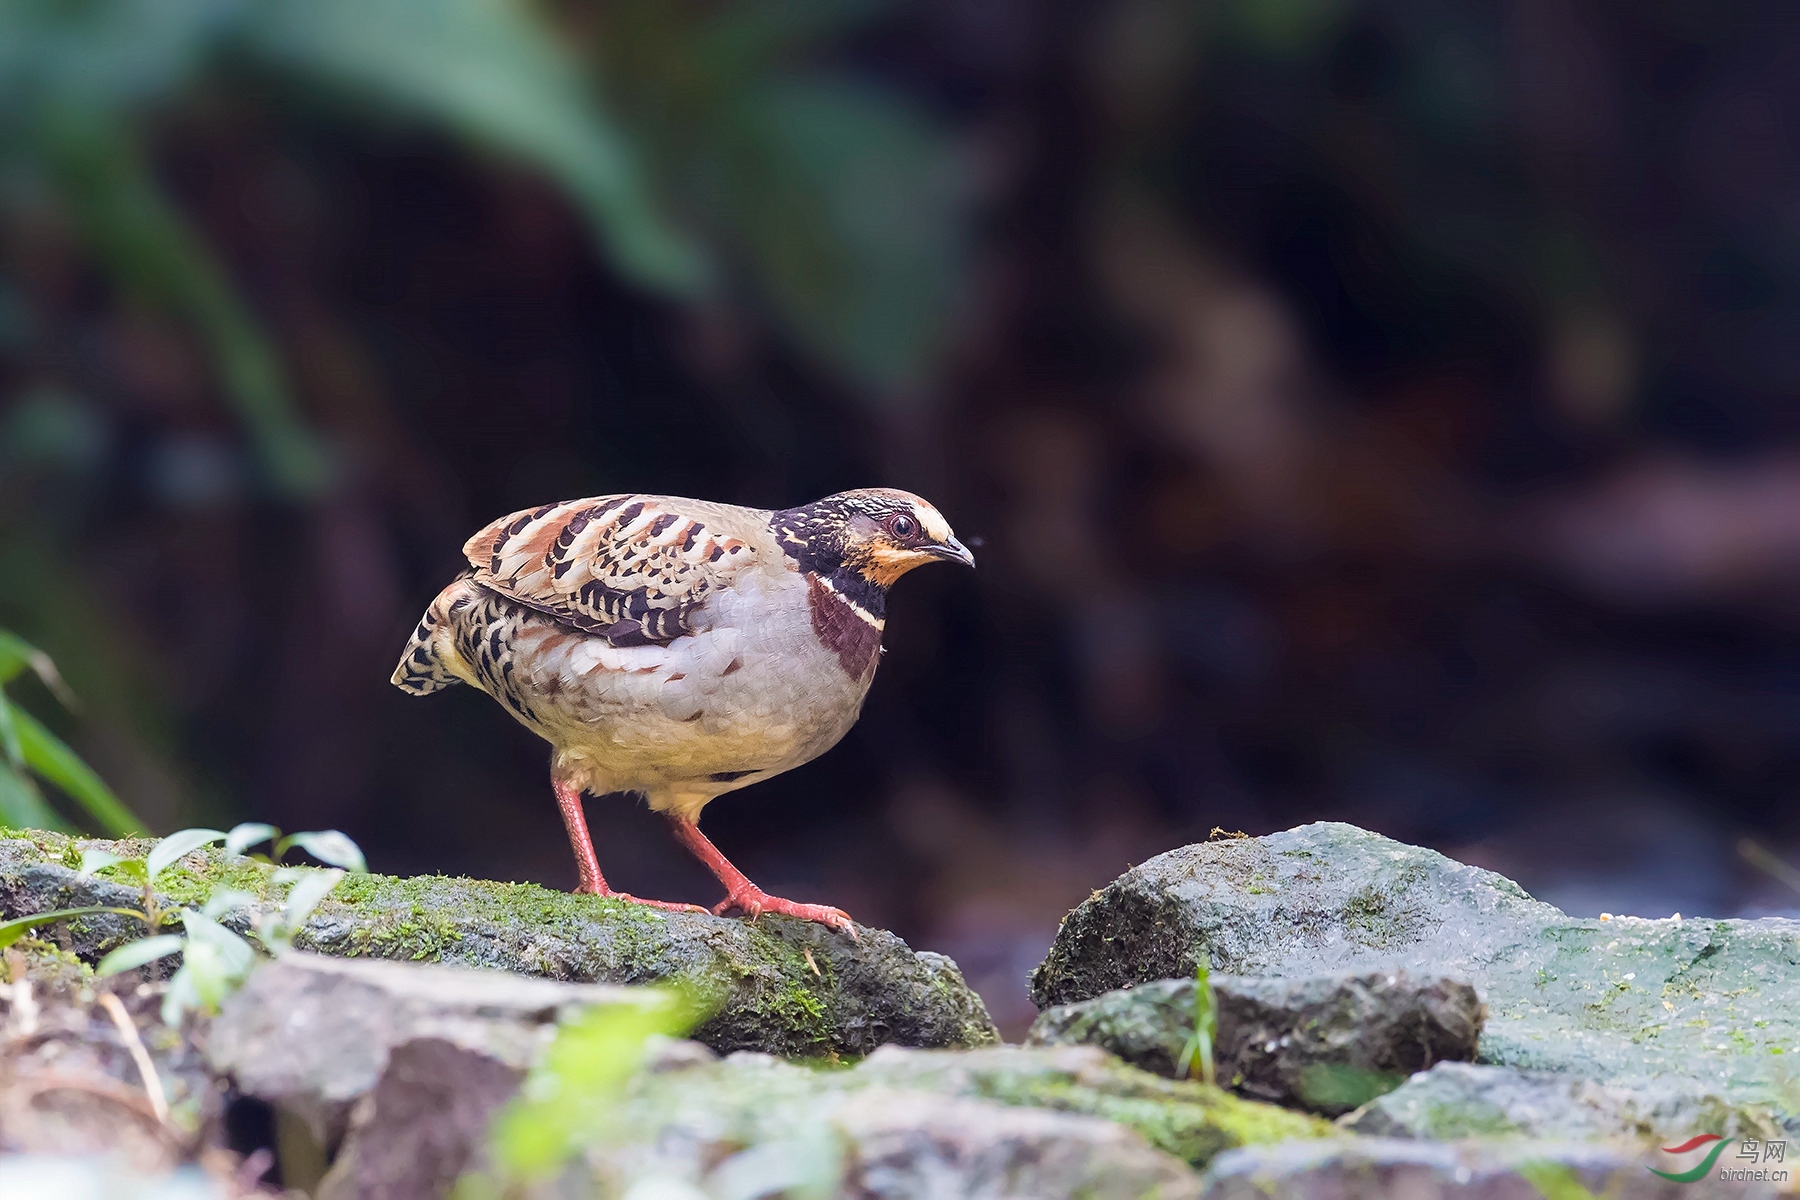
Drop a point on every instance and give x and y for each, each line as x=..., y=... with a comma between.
x=952, y=551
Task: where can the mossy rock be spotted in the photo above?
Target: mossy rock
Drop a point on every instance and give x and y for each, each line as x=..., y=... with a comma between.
x=1327, y=1043
x=1052, y=1122
x=776, y=984
x=1714, y=1004
x=1190, y=1120
x=1464, y=1100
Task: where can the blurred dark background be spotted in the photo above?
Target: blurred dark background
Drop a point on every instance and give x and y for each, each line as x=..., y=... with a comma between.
x=1373, y=410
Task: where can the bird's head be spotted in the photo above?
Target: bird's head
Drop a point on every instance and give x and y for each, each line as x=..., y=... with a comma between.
x=878, y=533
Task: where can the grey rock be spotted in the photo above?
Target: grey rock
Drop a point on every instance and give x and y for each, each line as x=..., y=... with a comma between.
x=416, y=1132
x=1384, y=1169
x=880, y=1142
x=1714, y=1003
x=1324, y=1042
x=1459, y=1100
x=315, y=1035
x=1052, y=1122
x=776, y=984
x=910, y=1144
x=1187, y=1119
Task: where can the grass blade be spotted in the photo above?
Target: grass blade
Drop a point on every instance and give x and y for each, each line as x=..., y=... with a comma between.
x=11, y=931
x=17, y=655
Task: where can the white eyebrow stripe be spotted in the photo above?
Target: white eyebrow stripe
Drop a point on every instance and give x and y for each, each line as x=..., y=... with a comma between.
x=936, y=527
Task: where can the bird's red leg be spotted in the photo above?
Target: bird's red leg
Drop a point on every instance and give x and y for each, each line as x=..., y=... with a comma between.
x=593, y=883
x=741, y=893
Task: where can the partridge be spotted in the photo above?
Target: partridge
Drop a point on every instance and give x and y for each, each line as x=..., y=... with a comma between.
x=679, y=649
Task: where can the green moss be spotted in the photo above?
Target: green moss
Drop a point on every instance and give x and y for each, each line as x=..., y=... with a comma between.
x=1191, y=1121
x=777, y=984
x=193, y=885
x=796, y=1008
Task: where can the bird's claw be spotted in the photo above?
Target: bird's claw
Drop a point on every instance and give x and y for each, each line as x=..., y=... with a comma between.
x=755, y=902
x=665, y=905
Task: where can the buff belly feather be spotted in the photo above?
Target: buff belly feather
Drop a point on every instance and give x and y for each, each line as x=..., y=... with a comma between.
x=734, y=702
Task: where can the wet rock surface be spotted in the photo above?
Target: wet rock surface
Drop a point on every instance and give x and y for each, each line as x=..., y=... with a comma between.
x=1461, y=1100
x=1006, y=1121
x=776, y=984
x=1326, y=1042
x=1713, y=1004
x=422, y=1125
x=1382, y=1169
x=316, y=1036
x=1341, y=961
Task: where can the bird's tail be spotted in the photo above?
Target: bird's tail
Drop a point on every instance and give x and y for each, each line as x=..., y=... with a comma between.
x=422, y=669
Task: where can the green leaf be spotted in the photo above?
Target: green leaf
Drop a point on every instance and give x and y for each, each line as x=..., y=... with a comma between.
x=227, y=900
x=93, y=858
x=492, y=72
x=9, y=734
x=17, y=655
x=305, y=897
x=46, y=754
x=11, y=931
x=177, y=844
x=246, y=835
x=201, y=983
x=135, y=954
x=236, y=955
x=854, y=213
x=328, y=846
x=110, y=53
x=22, y=805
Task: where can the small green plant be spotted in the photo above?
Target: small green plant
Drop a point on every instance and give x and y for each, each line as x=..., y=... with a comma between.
x=576, y=1101
x=215, y=960
x=1556, y=1181
x=573, y=1093
x=1197, y=1055
x=29, y=752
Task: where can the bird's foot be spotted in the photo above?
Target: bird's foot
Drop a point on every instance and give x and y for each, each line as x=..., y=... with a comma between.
x=665, y=905
x=755, y=902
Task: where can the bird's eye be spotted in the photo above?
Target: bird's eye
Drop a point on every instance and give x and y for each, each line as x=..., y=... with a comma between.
x=902, y=527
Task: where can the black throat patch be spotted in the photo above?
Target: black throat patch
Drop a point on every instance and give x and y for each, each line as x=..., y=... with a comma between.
x=813, y=536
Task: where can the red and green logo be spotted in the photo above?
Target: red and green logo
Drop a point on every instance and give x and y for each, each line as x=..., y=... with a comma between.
x=1706, y=1164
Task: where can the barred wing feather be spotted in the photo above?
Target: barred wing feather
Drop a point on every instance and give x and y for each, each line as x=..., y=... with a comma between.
x=631, y=568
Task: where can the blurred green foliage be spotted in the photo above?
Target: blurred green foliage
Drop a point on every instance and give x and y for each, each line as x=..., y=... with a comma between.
x=714, y=155
x=82, y=83
x=832, y=201
x=29, y=753
x=842, y=206
x=572, y=1095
